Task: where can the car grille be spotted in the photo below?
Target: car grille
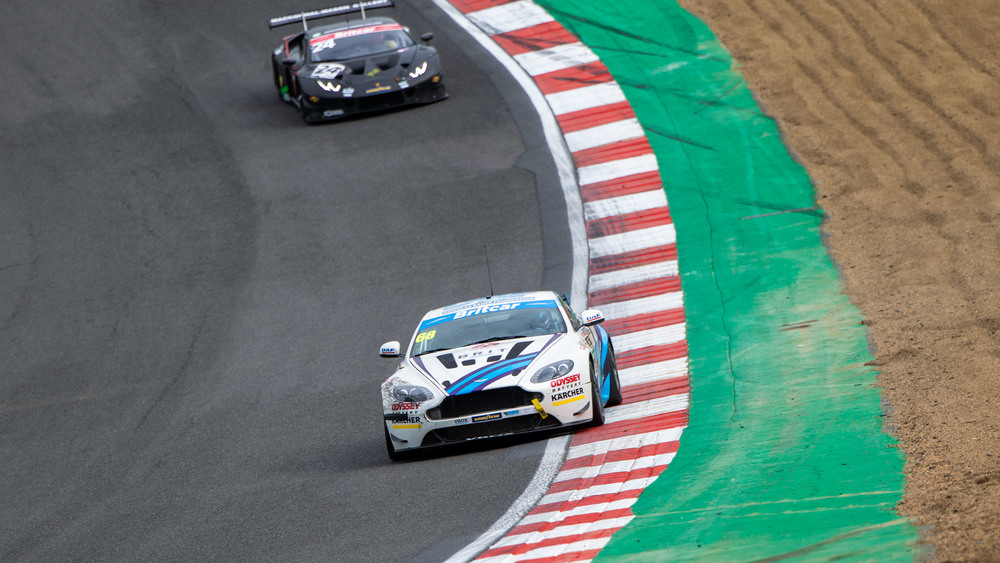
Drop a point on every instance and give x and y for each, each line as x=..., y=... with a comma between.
x=492, y=428
x=380, y=101
x=490, y=400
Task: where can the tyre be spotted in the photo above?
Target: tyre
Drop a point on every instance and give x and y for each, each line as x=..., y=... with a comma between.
x=597, y=409
x=616, y=384
x=393, y=454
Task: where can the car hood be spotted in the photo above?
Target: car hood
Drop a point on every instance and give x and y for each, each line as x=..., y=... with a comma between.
x=375, y=74
x=484, y=366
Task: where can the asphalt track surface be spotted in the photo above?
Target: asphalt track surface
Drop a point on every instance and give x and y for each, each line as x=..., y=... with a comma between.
x=194, y=283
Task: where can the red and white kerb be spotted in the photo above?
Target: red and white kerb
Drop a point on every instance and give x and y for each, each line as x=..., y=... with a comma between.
x=633, y=279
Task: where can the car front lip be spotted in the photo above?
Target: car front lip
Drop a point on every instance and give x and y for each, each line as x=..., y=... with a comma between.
x=412, y=428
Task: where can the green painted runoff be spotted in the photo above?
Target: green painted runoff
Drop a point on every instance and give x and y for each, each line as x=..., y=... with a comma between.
x=785, y=456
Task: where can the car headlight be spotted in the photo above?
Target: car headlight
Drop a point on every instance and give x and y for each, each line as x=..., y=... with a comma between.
x=419, y=70
x=552, y=371
x=412, y=394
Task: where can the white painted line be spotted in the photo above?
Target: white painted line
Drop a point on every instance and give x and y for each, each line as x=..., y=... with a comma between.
x=624, y=466
x=651, y=373
x=631, y=441
x=604, y=135
x=621, y=205
x=643, y=305
x=643, y=409
x=551, y=461
x=509, y=17
x=626, y=276
x=555, y=58
x=553, y=551
x=617, y=169
x=588, y=97
x=563, y=531
x=607, y=489
x=560, y=515
x=651, y=337
x=630, y=241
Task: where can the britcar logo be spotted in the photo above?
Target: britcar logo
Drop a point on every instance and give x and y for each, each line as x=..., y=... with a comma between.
x=485, y=417
x=486, y=309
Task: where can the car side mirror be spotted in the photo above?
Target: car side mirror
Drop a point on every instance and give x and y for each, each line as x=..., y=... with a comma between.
x=389, y=349
x=592, y=317
x=288, y=62
x=427, y=37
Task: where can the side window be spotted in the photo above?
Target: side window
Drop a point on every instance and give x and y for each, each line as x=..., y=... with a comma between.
x=295, y=48
x=569, y=313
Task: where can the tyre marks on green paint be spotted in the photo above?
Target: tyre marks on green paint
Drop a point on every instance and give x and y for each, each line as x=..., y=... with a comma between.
x=785, y=457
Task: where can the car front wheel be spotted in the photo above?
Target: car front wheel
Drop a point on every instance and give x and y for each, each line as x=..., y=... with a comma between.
x=597, y=408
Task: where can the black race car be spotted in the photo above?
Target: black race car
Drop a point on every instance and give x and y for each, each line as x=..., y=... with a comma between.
x=351, y=67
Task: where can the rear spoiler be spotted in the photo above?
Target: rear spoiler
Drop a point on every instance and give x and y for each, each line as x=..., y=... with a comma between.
x=328, y=12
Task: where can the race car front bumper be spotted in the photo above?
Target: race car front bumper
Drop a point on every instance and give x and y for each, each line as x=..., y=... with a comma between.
x=316, y=108
x=488, y=414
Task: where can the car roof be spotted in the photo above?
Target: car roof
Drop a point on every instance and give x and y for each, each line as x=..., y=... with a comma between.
x=493, y=300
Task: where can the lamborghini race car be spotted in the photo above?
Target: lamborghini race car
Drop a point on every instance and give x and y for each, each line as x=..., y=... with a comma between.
x=495, y=366
x=352, y=67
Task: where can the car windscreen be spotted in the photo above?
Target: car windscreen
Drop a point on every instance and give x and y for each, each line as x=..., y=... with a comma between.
x=470, y=327
x=358, y=42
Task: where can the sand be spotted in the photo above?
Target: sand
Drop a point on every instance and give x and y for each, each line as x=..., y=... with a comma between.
x=893, y=107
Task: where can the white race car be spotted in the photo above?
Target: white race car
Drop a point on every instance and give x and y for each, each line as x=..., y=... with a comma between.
x=495, y=366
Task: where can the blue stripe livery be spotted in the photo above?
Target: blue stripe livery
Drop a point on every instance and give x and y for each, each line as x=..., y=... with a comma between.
x=605, y=365
x=479, y=379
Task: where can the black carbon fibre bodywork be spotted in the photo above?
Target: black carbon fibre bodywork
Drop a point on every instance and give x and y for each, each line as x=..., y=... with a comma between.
x=325, y=89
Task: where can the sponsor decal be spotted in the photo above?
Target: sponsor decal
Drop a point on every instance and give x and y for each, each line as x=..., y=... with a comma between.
x=512, y=413
x=378, y=88
x=403, y=84
x=333, y=112
x=517, y=298
x=486, y=309
x=426, y=335
x=327, y=70
x=485, y=417
x=461, y=421
x=328, y=86
x=405, y=406
x=353, y=33
x=317, y=45
x=348, y=92
x=408, y=422
x=565, y=380
x=566, y=395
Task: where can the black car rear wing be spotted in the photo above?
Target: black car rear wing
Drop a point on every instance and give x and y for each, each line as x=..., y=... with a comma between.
x=329, y=12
